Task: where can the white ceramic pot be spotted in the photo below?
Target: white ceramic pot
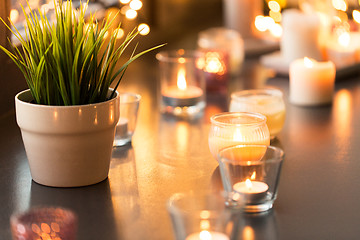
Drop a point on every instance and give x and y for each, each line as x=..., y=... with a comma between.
x=67, y=146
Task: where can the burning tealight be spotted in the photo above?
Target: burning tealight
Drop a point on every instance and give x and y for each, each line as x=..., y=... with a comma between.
x=182, y=83
x=311, y=82
x=207, y=235
x=253, y=191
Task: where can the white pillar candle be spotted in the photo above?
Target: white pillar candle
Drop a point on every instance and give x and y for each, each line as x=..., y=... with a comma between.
x=207, y=235
x=240, y=15
x=311, y=82
x=301, y=36
x=252, y=191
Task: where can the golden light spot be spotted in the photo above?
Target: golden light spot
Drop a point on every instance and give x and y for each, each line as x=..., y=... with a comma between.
x=130, y=14
x=45, y=228
x=274, y=6
x=55, y=227
x=14, y=15
x=144, y=29
x=136, y=5
x=35, y=228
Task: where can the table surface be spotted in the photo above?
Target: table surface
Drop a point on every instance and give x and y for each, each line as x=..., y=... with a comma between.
x=319, y=185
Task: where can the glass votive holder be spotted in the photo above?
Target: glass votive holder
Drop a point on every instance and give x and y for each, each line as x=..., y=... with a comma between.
x=234, y=128
x=182, y=82
x=200, y=215
x=224, y=40
x=267, y=101
x=251, y=173
x=51, y=223
x=129, y=106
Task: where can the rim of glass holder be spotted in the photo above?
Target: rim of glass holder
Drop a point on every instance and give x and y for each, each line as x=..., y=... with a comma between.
x=239, y=95
x=179, y=56
x=277, y=158
x=136, y=97
x=218, y=119
x=206, y=213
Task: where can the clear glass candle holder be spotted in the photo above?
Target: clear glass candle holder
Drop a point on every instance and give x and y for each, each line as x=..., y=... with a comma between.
x=51, y=223
x=125, y=128
x=201, y=215
x=227, y=41
x=251, y=173
x=267, y=101
x=182, y=82
x=234, y=128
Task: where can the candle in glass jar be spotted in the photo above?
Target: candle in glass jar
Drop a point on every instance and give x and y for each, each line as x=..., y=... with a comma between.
x=253, y=191
x=182, y=94
x=207, y=235
x=311, y=82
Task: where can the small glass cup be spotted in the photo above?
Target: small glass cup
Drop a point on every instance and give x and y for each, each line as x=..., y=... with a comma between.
x=230, y=129
x=182, y=82
x=227, y=41
x=200, y=215
x=251, y=173
x=129, y=106
x=267, y=101
x=44, y=223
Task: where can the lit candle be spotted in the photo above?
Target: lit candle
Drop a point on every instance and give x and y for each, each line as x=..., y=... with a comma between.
x=182, y=94
x=343, y=50
x=206, y=235
x=253, y=191
x=311, y=82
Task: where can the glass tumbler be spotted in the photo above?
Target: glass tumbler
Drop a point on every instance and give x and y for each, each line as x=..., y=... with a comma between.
x=182, y=82
x=251, y=173
x=129, y=106
x=234, y=128
x=44, y=223
x=267, y=101
x=201, y=215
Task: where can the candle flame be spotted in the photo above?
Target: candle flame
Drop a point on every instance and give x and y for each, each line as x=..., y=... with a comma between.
x=344, y=39
x=253, y=176
x=356, y=16
x=181, y=81
x=248, y=183
x=205, y=235
x=309, y=63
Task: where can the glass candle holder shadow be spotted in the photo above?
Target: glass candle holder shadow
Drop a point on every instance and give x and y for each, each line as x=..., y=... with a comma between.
x=267, y=101
x=201, y=215
x=251, y=173
x=44, y=223
x=230, y=129
x=182, y=82
x=129, y=106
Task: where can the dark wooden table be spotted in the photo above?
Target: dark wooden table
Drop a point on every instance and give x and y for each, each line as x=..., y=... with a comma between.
x=319, y=187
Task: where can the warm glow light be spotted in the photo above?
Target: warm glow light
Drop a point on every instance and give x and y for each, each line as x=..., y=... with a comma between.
x=119, y=33
x=248, y=183
x=205, y=214
x=213, y=63
x=14, y=15
x=144, y=29
x=276, y=30
x=344, y=39
x=339, y=5
x=205, y=235
x=248, y=233
x=106, y=34
x=356, y=16
x=274, y=6
x=136, y=4
x=124, y=1
x=253, y=176
x=238, y=137
x=308, y=62
x=181, y=81
x=276, y=16
x=204, y=224
x=259, y=23
x=130, y=14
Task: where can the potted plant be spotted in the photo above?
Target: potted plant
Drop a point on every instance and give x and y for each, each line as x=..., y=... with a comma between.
x=69, y=113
